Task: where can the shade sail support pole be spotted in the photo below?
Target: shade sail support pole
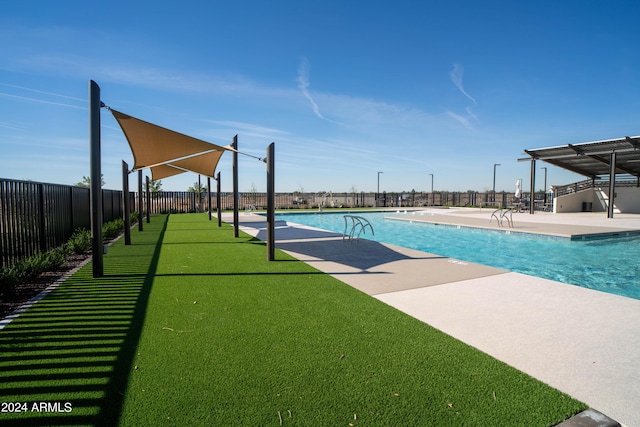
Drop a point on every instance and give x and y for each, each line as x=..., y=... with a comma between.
x=148, y=199
x=236, y=196
x=218, y=200
x=126, y=203
x=270, y=202
x=96, y=179
x=209, y=196
x=140, y=205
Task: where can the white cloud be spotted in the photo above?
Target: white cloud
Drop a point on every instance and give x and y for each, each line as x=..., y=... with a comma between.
x=250, y=129
x=463, y=120
x=40, y=101
x=303, y=84
x=456, y=77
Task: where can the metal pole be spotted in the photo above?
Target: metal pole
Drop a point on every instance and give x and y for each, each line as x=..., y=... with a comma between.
x=532, y=196
x=218, y=200
x=545, y=184
x=378, y=192
x=494, y=182
x=96, y=179
x=140, y=207
x=612, y=184
x=236, y=216
x=432, y=196
x=126, y=203
x=209, y=196
x=270, y=202
x=148, y=200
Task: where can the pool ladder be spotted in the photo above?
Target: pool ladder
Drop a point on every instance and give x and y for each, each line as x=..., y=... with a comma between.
x=503, y=214
x=358, y=224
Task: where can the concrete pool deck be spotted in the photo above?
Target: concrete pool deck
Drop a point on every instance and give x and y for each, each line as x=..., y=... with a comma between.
x=568, y=225
x=583, y=342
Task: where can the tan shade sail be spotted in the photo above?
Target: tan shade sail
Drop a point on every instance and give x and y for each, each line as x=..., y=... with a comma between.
x=153, y=145
x=164, y=171
x=203, y=164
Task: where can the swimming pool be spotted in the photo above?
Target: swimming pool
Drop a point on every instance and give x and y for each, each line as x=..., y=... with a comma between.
x=609, y=265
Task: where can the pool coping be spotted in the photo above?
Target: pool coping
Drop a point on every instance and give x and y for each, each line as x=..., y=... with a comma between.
x=570, y=232
x=580, y=341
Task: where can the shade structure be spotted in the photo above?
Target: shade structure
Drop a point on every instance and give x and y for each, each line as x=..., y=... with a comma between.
x=165, y=171
x=167, y=152
x=593, y=159
x=203, y=164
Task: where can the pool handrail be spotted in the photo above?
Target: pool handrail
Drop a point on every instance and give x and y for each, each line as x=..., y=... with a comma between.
x=357, y=223
x=501, y=214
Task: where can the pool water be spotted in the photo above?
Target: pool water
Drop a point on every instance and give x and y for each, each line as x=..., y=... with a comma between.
x=609, y=265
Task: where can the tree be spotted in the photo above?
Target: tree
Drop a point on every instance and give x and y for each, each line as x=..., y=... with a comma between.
x=155, y=186
x=86, y=181
x=354, y=196
x=197, y=188
x=254, y=193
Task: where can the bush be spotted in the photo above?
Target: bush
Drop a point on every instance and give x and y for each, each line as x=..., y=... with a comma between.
x=30, y=268
x=112, y=229
x=80, y=242
x=133, y=217
x=53, y=259
x=8, y=280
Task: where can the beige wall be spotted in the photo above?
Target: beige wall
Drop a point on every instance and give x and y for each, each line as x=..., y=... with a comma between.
x=627, y=200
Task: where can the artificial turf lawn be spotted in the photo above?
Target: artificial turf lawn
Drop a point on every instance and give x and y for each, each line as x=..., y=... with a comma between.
x=202, y=330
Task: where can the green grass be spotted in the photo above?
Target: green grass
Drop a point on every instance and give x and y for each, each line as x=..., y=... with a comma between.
x=190, y=326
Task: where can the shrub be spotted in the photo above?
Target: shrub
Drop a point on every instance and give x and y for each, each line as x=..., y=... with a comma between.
x=133, y=217
x=8, y=281
x=112, y=229
x=80, y=242
x=53, y=259
x=28, y=269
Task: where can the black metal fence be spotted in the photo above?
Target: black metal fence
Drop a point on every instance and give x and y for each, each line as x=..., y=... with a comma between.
x=36, y=217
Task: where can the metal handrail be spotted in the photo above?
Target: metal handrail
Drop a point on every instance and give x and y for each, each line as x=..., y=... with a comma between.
x=359, y=224
x=561, y=190
x=501, y=214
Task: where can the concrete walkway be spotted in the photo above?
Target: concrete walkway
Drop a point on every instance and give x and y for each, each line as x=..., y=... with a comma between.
x=583, y=342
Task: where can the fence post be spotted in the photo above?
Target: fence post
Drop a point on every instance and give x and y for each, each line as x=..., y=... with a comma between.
x=41, y=220
x=72, y=219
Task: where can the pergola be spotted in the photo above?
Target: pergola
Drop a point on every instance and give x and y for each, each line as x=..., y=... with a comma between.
x=592, y=159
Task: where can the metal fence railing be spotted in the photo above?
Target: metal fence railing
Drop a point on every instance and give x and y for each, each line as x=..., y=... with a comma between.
x=36, y=217
x=576, y=187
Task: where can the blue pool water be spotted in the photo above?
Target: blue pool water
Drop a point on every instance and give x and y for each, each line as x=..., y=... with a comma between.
x=609, y=265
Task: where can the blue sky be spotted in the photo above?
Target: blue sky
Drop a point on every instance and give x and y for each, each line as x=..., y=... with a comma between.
x=345, y=89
